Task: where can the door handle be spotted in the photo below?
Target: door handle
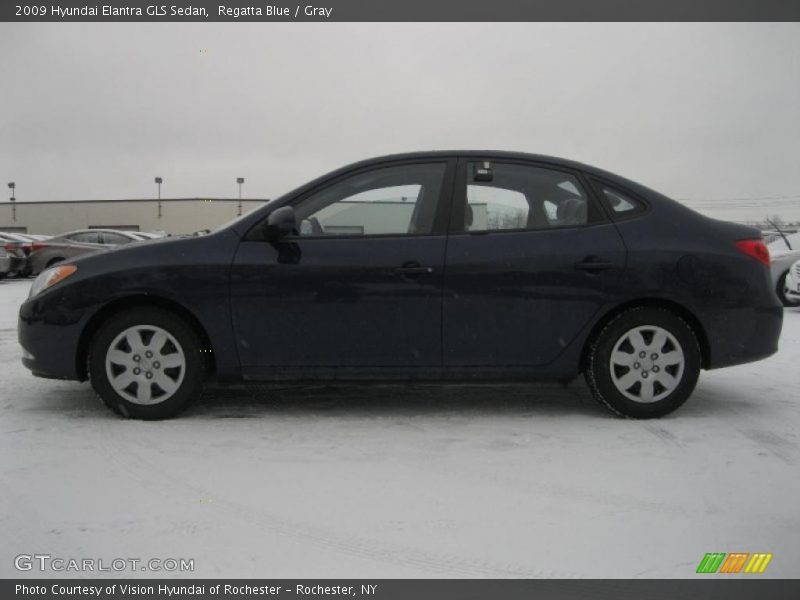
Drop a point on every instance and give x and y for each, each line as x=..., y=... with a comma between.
x=592, y=263
x=412, y=269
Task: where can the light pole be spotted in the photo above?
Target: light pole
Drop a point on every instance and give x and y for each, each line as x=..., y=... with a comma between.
x=159, y=181
x=240, y=181
x=13, y=186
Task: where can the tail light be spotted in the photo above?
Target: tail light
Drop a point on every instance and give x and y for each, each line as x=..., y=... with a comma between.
x=756, y=249
x=35, y=247
x=10, y=247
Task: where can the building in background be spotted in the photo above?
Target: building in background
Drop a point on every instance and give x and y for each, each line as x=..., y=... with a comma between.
x=175, y=215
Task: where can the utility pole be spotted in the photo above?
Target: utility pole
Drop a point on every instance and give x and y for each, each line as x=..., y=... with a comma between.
x=240, y=181
x=159, y=181
x=13, y=186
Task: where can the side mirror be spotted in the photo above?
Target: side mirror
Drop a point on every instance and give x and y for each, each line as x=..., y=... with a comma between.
x=280, y=223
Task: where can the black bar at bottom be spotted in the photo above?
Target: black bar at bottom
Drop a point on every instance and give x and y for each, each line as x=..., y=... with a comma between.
x=709, y=587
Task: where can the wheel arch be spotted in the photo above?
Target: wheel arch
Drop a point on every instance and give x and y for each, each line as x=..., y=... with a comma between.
x=674, y=307
x=137, y=301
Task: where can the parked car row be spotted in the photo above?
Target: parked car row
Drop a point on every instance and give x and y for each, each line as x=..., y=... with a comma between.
x=28, y=254
x=16, y=249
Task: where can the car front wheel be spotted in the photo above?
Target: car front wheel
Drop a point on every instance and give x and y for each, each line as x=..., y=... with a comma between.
x=644, y=363
x=145, y=363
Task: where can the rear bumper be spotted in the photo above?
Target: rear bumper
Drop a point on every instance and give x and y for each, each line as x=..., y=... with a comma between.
x=738, y=336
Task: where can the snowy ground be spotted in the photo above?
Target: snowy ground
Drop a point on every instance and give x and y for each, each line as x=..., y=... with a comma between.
x=405, y=481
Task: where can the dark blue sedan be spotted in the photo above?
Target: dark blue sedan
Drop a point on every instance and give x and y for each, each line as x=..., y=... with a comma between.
x=427, y=266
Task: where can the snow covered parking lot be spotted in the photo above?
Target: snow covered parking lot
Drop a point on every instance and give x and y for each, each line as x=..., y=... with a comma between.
x=404, y=481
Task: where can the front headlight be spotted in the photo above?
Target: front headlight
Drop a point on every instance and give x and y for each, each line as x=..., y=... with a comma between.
x=50, y=277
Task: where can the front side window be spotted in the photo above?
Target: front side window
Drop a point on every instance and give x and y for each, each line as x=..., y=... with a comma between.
x=505, y=196
x=398, y=200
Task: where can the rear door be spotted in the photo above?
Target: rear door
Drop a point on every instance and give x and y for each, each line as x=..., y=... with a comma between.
x=531, y=258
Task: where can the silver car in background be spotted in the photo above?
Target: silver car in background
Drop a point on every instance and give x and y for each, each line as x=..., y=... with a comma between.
x=17, y=247
x=5, y=263
x=48, y=252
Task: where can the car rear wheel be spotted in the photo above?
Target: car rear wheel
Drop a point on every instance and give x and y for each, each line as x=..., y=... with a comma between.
x=145, y=363
x=783, y=290
x=644, y=363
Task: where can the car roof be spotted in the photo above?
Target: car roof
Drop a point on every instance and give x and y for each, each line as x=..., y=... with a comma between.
x=552, y=161
x=506, y=154
x=92, y=231
x=13, y=236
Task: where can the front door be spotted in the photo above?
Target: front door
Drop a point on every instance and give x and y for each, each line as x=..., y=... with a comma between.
x=357, y=292
x=530, y=259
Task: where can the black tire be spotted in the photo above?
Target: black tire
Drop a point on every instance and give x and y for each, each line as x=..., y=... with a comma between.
x=782, y=294
x=598, y=368
x=191, y=386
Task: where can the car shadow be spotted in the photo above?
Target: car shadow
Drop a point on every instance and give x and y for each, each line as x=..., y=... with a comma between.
x=529, y=399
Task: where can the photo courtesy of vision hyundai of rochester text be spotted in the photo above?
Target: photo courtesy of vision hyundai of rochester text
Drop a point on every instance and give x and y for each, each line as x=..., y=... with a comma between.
x=449, y=266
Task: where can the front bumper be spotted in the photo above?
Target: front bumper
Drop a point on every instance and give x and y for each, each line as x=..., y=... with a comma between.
x=50, y=344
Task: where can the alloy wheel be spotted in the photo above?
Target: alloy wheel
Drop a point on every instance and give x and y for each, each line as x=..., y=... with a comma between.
x=647, y=364
x=145, y=364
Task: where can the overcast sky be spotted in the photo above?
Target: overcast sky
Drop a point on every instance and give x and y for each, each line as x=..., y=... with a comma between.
x=699, y=111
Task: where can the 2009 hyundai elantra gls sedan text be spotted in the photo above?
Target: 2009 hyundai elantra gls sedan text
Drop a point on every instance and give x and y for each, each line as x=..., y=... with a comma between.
x=444, y=266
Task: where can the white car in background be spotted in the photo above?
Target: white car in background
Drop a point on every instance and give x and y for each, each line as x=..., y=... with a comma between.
x=791, y=285
x=784, y=252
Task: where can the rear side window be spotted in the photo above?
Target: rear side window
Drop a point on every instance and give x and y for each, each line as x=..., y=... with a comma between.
x=115, y=238
x=509, y=196
x=620, y=204
x=86, y=237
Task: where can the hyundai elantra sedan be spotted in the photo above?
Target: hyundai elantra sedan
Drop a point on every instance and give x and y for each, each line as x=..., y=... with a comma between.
x=446, y=266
